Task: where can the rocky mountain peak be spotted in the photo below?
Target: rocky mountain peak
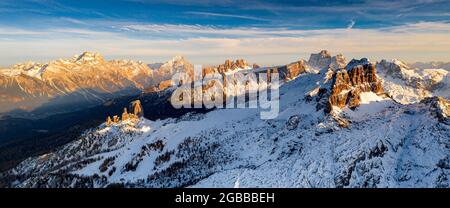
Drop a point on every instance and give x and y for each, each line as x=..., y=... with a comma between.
x=178, y=58
x=29, y=68
x=174, y=65
x=324, y=53
x=440, y=106
x=394, y=68
x=176, y=61
x=323, y=59
x=230, y=65
x=320, y=60
x=88, y=57
x=338, y=62
x=431, y=65
x=359, y=76
x=355, y=62
x=174, y=152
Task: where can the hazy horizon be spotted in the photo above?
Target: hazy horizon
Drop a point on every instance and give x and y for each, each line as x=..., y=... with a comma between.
x=213, y=61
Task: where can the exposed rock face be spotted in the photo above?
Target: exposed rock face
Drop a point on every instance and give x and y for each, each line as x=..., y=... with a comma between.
x=325, y=156
x=360, y=76
x=228, y=66
x=87, y=79
x=355, y=62
x=320, y=60
x=338, y=62
x=116, y=119
x=292, y=70
x=232, y=65
x=137, y=112
x=325, y=60
x=165, y=84
x=108, y=121
x=136, y=108
x=393, y=68
x=431, y=65
x=293, y=122
x=125, y=114
x=89, y=58
x=177, y=64
x=208, y=70
x=408, y=85
x=440, y=106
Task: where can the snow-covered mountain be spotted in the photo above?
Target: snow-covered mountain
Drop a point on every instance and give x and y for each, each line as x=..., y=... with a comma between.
x=431, y=65
x=340, y=125
x=87, y=78
x=408, y=85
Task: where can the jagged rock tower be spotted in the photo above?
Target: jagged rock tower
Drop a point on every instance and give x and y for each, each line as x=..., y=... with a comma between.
x=136, y=108
x=108, y=121
x=359, y=76
x=125, y=114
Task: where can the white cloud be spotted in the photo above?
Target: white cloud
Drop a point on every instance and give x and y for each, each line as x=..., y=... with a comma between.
x=351, y=24
x=10, y=31
x=227, y=15
x=415, y=42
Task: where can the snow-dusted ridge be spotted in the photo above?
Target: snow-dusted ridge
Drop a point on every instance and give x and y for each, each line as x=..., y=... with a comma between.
x=386, y=144
x=407, y=85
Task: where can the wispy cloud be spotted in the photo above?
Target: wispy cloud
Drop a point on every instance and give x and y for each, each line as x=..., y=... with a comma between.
x=10, y=31
x=351, y=24
x=73, y=21
x=211, y=14
x=419, y=42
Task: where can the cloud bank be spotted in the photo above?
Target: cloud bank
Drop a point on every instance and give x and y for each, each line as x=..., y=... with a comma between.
x=423, y=41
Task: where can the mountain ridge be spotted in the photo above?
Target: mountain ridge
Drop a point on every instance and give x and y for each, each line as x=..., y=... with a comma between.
x=87, y=76
x=377, y=143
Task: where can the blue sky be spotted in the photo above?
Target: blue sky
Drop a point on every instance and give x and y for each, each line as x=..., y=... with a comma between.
x=208, y=31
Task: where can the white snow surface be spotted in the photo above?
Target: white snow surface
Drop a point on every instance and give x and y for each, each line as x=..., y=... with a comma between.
x=406, y=85
x=386, y=145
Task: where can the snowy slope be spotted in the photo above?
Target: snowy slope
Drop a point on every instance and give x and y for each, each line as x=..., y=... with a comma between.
x=386, y=144
x=407, y=85
x=392, y=145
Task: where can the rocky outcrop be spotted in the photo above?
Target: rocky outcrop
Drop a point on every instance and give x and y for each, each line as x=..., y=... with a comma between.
x=291, y=71
x=408, y=85
x=393, y=68
x=440, y=107
x=136, y=108
x=323, y=59
x=431, y=65
x=165, y=84
x=175, y=65
x=338, y=62
x=320, y=60
x=108, y=121
x=136, y=112
x=88, y=58
x=125, y=115
x=230, y=65
x=83, y=79
x=359, y=76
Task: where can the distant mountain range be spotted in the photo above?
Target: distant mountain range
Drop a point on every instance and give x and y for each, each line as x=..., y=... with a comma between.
x=431, y=65
x=83, y=81
x=342, y=123
x=88, y=79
